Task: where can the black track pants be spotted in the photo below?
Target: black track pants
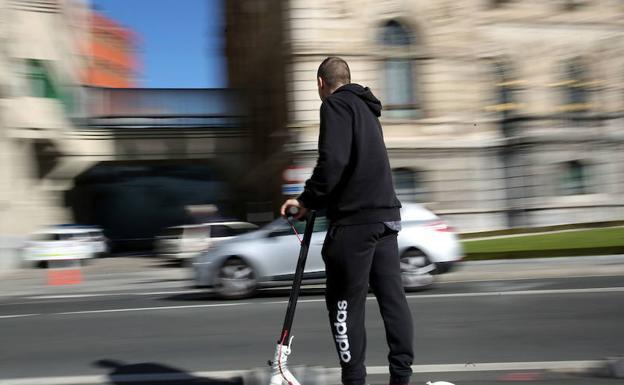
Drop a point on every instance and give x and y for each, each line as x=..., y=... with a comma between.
x=356, y=256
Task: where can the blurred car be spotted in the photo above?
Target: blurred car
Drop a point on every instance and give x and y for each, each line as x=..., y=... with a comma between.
x=93, y=235
x=61, y=243
x=99, y=242
x=187, y=241
x=267, y=257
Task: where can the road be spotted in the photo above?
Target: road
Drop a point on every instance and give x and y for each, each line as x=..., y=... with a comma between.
x=470, y=331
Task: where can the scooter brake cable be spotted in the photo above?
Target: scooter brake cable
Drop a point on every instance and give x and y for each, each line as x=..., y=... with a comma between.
x=295, y=230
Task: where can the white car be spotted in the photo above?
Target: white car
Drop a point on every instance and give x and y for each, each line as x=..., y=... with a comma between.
x=187, y=241
x=267, y=257
x=61, y=243
x=97, y=239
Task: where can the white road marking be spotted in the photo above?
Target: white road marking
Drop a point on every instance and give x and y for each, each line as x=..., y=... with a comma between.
x=618, y=289
x=67, y=296
x=484, y=294
x=153, y=308
x=67, y=380
x=577, y=366
x=286, y=301
x=194, y=291
x=17, y=315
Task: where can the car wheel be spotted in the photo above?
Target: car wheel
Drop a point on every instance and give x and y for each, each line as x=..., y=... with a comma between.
x=235, y=279
x=416, y=270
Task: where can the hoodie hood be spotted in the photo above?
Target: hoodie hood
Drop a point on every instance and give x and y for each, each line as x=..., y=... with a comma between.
x=365, y=94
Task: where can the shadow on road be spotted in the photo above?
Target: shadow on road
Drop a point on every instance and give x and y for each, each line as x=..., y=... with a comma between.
x=192, y=297
x=148, y=373
x=278, y=293
x=171, y=264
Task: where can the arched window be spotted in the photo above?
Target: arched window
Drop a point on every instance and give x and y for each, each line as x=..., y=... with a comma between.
x=408, y=185
x=400, y=101
x=574, y=178
x=395, y=33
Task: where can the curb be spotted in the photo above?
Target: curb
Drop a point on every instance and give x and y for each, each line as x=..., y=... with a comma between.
x=554, y=253
x=324, y=376
x=614, y=257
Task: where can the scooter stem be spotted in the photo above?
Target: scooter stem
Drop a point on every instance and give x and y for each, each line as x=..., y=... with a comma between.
x=279, y=366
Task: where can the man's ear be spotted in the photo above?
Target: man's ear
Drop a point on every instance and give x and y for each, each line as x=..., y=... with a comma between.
x=319, y=82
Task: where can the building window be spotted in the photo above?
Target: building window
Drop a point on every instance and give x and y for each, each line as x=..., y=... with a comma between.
x=499, y=3
x=39, y=82
x=408, y=185
x=573, y=179
x=42, y=85
x=503, y=99
x=400, y=101
x=572, y=5
x=575, y=87
x=505, y=87
x=395, y=34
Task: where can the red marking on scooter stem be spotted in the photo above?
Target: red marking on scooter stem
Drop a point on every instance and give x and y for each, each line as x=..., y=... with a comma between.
x=279, y=358
x=295, y=230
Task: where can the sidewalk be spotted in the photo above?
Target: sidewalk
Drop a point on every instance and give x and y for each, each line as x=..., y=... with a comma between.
x=101, y=275
x=538, y=373
x=132, y=274
x=536, y=268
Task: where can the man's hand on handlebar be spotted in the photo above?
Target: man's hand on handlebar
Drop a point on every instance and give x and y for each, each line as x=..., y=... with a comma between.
x=293, y=208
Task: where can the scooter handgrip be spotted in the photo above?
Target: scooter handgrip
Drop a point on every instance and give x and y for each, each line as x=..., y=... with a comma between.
x=292, y=211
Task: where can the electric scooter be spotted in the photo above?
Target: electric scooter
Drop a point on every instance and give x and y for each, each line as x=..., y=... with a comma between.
x=279, y=365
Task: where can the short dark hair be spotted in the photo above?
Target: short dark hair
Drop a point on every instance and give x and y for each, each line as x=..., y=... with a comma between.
x=334, y=71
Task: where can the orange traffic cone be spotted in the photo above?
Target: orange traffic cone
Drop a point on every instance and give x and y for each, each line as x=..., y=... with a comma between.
x=64, y=272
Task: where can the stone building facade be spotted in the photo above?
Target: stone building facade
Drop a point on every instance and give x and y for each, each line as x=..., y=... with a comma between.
x=497, y=113
x=39, y=97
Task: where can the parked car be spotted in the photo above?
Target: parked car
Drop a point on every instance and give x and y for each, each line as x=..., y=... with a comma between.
x=94, y=235
x=62, y=243
x=187, y=241
x=267, y=257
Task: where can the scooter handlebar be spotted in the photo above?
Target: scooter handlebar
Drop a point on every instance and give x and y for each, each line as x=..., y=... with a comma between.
x=292, y=211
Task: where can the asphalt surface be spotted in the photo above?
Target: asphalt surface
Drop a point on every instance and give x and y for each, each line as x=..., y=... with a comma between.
x=537, y=322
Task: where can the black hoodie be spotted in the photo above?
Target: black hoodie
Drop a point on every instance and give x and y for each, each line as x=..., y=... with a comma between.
x=352, y=177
